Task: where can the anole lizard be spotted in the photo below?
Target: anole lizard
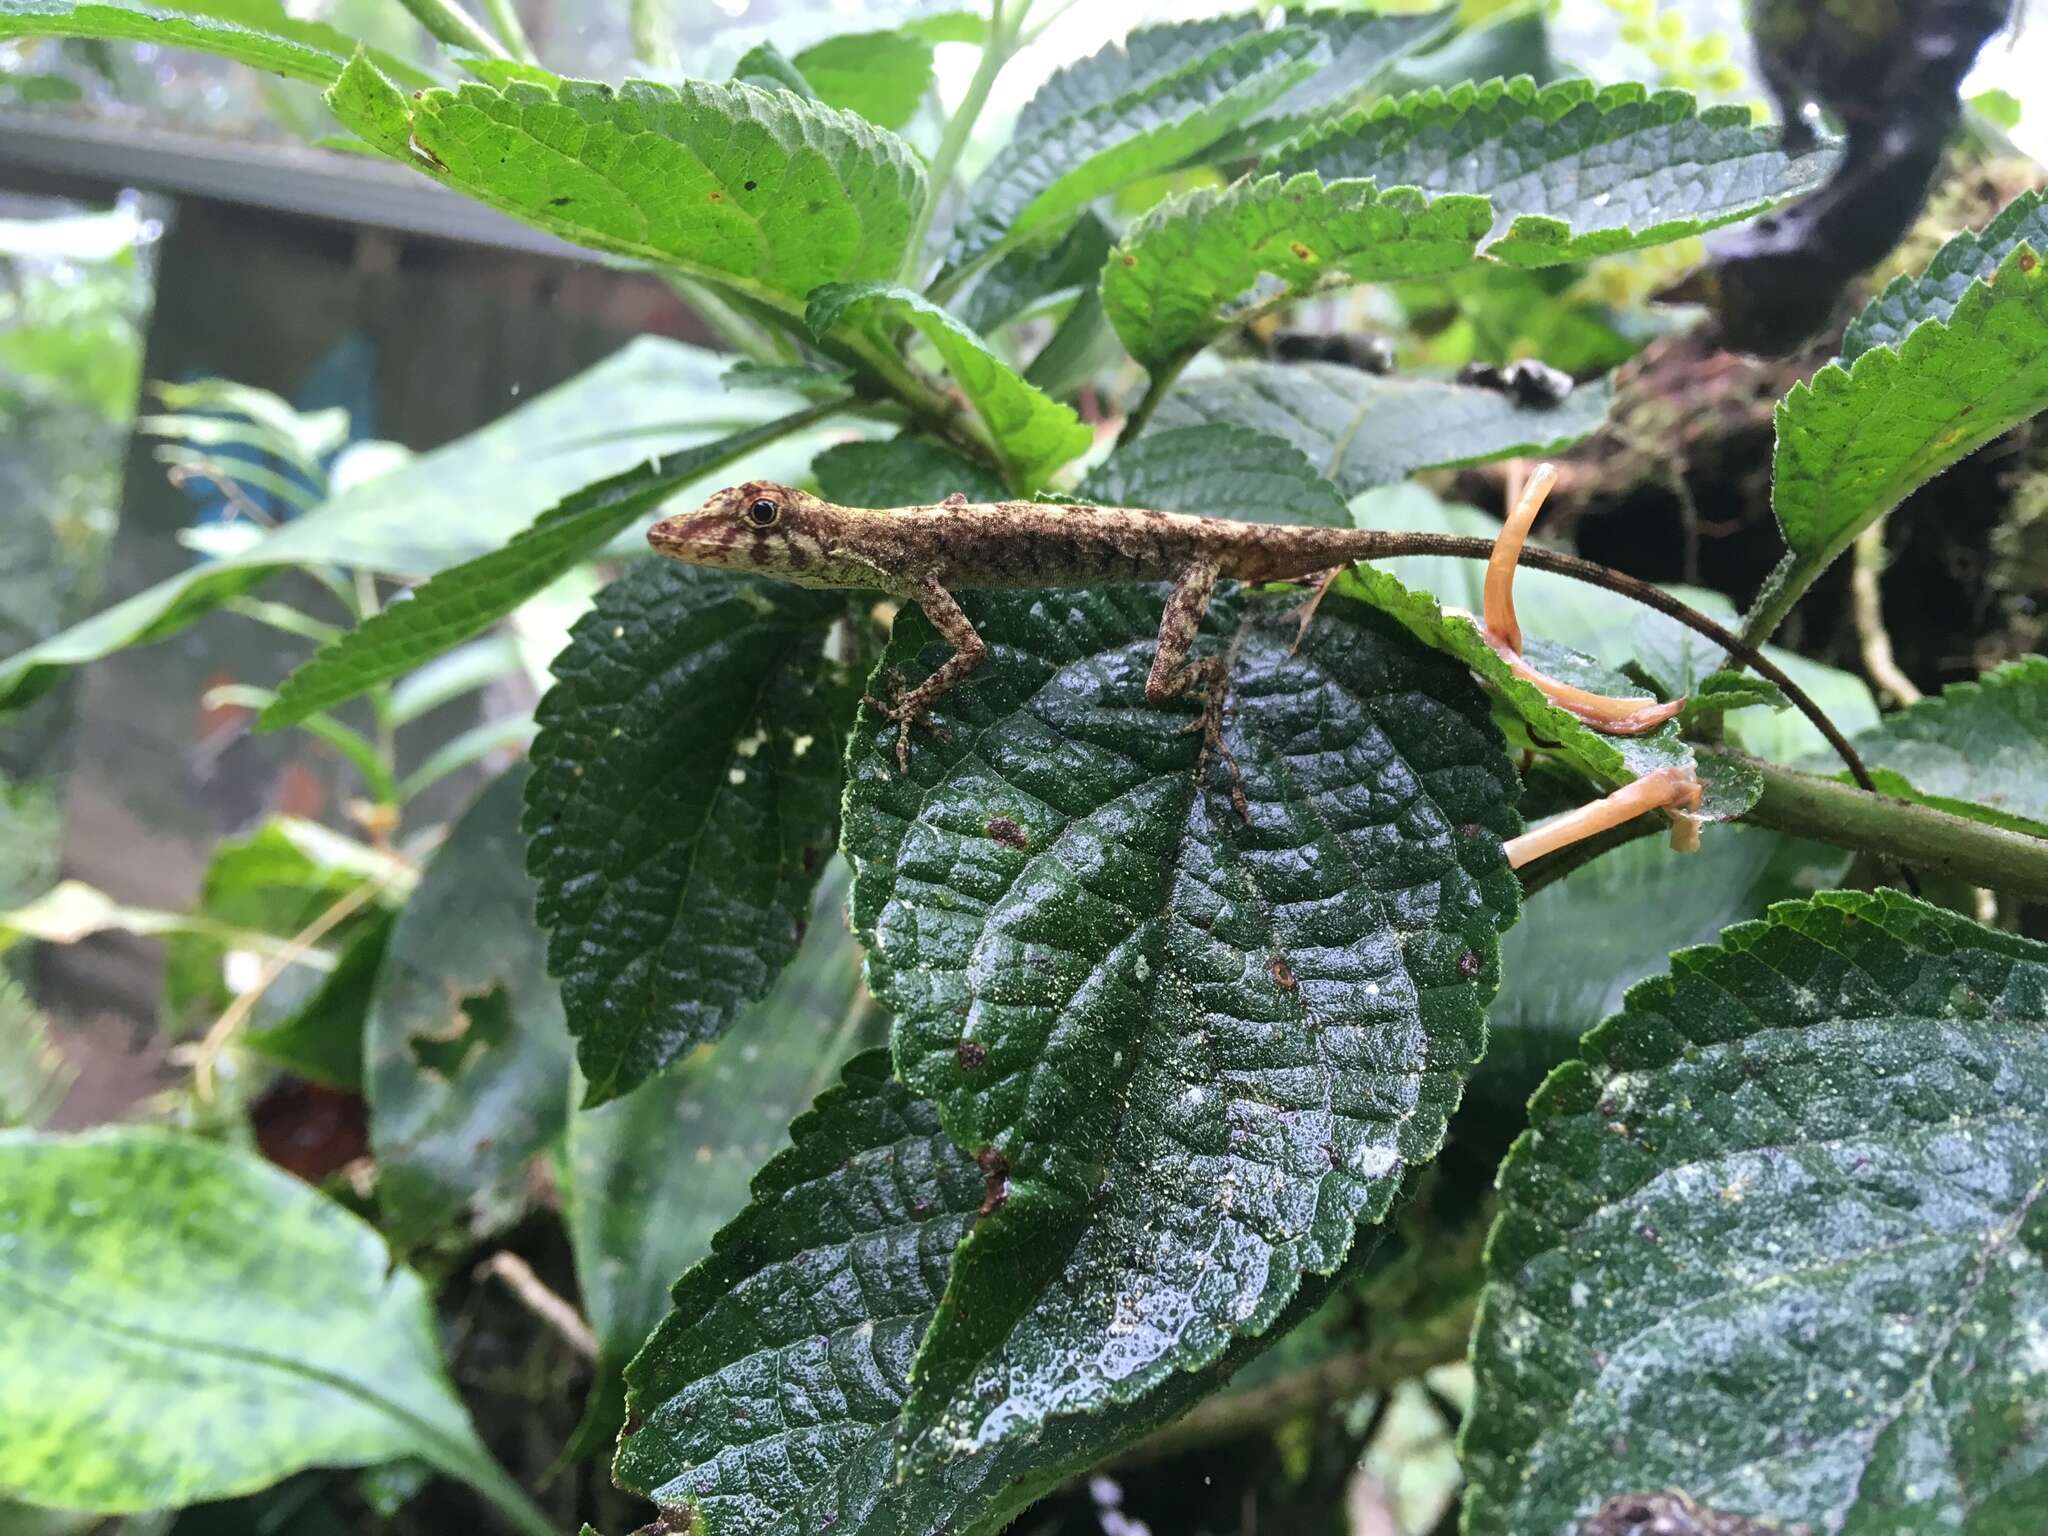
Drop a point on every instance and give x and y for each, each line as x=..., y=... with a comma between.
x=927, y=553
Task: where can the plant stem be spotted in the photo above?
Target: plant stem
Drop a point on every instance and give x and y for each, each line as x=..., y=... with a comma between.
x=1919, y=836
x=1867, y=597
x=651, y=41
x=1155, y=391
x=451, y=24
x=505, y=21
x=1002, y=42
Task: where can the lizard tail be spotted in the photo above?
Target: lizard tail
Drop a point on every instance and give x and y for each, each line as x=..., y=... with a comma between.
x=1594, y=574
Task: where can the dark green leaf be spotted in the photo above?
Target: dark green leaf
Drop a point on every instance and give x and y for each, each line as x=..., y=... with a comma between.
x=1024, y=278
x=1856, y=440
x=1573, y=170
x=464, y=601
x=1361, y=430
x=34, y=1076
x=1219, y=471
x=1583, y=942
x=762, y=191
x=804, y=378
x=1200, y=1048
x=1177, y=279
x=1979, y=750
x=684, y=799
x=653, y=1175
x=880, y=75
x=253, y=32
x=183, y=1322
x=1136, y=108
x=1776, y=1239
x=465, y=1054
x=277, y=880
x=323, y=1040
x=451, y=505
x=768, y=1400
x=823, y=1285
x=1970, y=257
x=902, y=472
x=1365, y=47
x=1033, y=433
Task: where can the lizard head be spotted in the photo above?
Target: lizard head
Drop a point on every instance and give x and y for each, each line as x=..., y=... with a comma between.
x=770, y=529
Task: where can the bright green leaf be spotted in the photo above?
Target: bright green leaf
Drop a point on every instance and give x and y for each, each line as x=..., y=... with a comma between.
x=1573, y=170
x=1220, y=471
x=1968, y=258
x=1980, y=749
x=1178, y=276
x=761, y=191
x=1033, y=433
x=881, y=76
x=1856, y=440
x=462, y=602
x=1775, y=1239
x=259, y=33
x=466, y=1058
x=766, y=66
x=1200, y=1045
x=451, y=505
x=127, y=1381
x=1361, y=429
x=1607, y=760
x=1160, y=97
x=683, y=802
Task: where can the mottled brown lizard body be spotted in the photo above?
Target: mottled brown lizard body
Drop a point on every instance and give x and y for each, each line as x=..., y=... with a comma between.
x=926, y=553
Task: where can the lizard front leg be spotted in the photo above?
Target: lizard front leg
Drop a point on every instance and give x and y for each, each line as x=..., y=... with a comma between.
x=1172, y=673
x=908, y=705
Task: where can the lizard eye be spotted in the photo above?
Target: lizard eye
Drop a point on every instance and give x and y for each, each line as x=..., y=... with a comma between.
x=762, y=513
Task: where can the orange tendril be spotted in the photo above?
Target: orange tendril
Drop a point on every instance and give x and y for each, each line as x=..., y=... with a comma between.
x=1675, y=791
x=1503, y=631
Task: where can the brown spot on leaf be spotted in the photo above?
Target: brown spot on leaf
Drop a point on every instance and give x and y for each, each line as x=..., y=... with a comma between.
x=1130, y=261
x=716, y=197
x=1301, y=252
x=1468, y=964
x=1282, y=973
x=970, y=1054
x=1007, y=832
x=2028, y=261
x=995, y=1169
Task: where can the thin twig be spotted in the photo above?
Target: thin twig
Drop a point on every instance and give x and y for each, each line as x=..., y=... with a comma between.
x=1867, y=602
x=533, y=1294
x=294, y=950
